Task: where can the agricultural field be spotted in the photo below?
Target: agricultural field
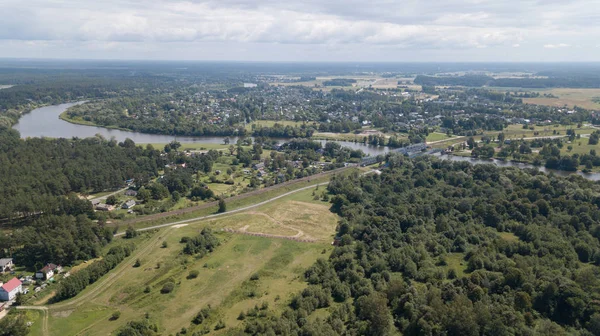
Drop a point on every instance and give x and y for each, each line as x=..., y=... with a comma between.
x=586, y=98
x=243, y=272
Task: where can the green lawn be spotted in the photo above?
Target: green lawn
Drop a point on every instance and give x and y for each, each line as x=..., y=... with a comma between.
x=437, y=137
x=580, y=146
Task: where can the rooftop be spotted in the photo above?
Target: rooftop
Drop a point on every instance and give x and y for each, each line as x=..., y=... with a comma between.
x=11, y=285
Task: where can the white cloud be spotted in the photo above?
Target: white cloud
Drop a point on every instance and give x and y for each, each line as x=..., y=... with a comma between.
x=555, y=46
x=435, y=26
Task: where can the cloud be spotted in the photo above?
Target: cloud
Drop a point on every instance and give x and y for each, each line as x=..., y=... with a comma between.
x=434, y=26
x=555, y=46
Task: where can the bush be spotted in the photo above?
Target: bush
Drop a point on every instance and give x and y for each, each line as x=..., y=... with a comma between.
x=115, y=316
x=220, y=325
x=130, y=233
x=254, y=277
x=167, y=288
x=193, y=274
x=165, y=244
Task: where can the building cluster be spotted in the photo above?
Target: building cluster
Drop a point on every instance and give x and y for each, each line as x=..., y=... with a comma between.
x=20, y=285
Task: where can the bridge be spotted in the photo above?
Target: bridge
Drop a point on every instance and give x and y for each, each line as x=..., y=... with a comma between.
x=410, y=151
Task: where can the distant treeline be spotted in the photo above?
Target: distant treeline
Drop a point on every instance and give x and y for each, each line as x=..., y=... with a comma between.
x=339, y=82
x=591, y=81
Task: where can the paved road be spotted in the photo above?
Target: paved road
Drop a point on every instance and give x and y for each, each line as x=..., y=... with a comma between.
x=227, y=212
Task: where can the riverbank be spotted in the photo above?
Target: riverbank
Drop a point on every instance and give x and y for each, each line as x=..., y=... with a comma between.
x=63, y=116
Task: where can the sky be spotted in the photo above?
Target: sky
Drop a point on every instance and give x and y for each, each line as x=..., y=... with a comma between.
x=303, y=30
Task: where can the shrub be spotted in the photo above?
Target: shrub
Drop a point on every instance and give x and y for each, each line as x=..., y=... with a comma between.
x=167, y=287
x=193, y=274
x=115, y=316
x=220, y=325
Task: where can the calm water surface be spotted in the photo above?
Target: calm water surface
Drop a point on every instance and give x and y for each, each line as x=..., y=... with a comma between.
x=45, y=122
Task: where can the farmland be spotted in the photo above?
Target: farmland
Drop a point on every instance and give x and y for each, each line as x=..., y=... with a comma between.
x=586, y=98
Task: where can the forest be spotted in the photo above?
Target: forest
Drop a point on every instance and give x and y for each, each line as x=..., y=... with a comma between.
x=434, y=247
x=37, y=173
x=46, y=220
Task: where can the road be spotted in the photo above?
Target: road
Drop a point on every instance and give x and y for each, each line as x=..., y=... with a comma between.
x=227, y=212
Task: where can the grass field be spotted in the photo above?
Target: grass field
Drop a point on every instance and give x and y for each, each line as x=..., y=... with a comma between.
x=224, y=275
x=584, y=148
x=568, y=97
x=437, y=137
x=233, y=204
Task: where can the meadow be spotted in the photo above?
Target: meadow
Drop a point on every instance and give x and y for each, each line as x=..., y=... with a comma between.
x=242, y=272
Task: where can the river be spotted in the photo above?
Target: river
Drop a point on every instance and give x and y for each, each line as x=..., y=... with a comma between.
x=45, y=122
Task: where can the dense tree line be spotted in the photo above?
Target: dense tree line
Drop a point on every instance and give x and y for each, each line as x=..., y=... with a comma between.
x=56, y=239
x=280, y=131
x=434, y=247
x=339, y=82
x=37, y=173
x=78, y=281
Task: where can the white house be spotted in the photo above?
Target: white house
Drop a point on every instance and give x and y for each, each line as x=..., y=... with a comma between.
x=129, y=204
x=48, y=271
x=9, y=290
x=6, y=265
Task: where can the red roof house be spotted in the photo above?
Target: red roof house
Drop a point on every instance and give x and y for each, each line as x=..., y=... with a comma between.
x=9, y=290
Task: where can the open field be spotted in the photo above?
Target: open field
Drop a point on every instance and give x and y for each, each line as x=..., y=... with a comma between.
x=580, y=146
x=568, y=97
x=516, y=131
x=437, y=137
x=233, y=203
x=224, y=275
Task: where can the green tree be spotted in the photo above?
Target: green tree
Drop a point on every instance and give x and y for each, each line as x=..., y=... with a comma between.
x=14, y=325
x=222, y=205
x=373, y=309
